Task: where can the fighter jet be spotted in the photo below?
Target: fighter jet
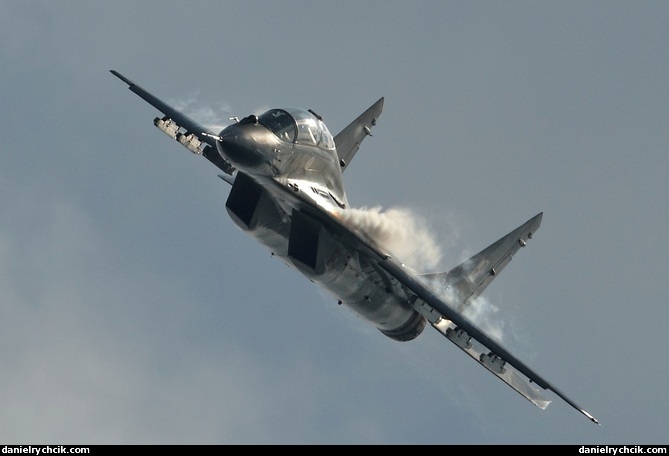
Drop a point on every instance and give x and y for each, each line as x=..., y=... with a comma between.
x=285, y=170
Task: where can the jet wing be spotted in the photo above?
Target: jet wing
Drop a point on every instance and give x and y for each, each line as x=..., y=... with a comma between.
x=348, y=140
x=469, y=279
x=189, y=133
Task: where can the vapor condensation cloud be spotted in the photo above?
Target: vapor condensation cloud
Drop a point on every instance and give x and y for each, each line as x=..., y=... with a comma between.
x=482, y=312
x=215, y=118
x=407, y=236
x=399, y=230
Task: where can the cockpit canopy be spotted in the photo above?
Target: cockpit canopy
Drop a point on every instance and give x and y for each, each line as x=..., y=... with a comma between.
x=299, y=126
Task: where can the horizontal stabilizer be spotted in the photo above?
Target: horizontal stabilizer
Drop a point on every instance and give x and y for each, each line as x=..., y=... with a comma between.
x=229, y=179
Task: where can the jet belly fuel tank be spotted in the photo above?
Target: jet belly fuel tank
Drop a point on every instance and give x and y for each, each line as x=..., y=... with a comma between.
x=307, y=244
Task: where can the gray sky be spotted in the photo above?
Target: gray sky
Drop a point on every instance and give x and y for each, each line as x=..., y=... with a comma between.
x=135, y=311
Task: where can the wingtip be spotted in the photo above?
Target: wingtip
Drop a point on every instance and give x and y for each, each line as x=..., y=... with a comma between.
x=121, y=77
x=590, y=417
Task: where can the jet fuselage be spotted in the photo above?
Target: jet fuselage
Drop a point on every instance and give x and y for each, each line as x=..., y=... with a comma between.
x=292, y=149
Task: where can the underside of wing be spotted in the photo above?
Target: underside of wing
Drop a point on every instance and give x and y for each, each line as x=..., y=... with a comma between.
x=496, y=365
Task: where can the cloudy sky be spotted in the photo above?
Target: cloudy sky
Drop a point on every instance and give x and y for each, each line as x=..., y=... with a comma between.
x=134, y=311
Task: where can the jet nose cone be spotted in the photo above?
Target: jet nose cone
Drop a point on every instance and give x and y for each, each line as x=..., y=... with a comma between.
x=238, y=144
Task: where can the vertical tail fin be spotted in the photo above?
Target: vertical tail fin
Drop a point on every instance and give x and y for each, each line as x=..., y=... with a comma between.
x=349, y=139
